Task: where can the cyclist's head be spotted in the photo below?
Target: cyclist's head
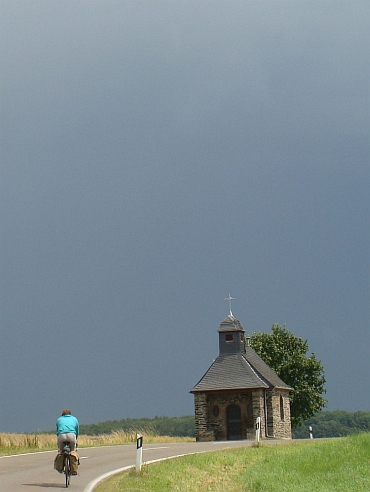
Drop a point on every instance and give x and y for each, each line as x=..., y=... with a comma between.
x=66, y=411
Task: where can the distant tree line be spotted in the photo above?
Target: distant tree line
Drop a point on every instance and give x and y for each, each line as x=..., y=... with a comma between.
x=162, y=426
x=324, y=424
x=334, y=424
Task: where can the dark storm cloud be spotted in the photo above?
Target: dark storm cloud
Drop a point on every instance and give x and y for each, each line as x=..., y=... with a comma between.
x=157, y=156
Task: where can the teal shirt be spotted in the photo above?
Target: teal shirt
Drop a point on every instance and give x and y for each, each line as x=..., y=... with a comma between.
x=67, y=423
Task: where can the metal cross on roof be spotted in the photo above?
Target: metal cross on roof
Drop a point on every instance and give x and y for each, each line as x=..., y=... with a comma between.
x=230, y=299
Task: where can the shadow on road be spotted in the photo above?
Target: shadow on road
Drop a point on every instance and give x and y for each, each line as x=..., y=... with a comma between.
x=46, y=485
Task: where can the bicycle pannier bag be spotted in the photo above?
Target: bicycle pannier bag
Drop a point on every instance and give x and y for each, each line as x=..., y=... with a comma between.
x=75, y=461
x=58, y=463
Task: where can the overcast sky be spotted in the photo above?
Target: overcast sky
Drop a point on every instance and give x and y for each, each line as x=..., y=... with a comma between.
x=157, y=156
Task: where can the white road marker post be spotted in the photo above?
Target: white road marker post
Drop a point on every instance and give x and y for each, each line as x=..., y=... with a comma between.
x=258, y=429
x=139, y=452
x=310, y=429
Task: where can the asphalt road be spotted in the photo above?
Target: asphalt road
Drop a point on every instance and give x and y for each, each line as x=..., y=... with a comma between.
x=34, y=472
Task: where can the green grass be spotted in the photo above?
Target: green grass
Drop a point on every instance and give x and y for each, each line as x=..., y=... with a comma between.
x=333, y=465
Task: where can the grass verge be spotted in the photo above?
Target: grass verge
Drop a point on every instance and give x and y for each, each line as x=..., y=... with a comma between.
x=332, y=465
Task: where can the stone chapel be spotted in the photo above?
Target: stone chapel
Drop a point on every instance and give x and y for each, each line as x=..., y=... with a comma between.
x=237, y=388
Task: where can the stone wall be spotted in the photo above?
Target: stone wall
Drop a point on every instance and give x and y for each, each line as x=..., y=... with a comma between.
x=203, y=431
x=282, y=426
x=211, y=414
x=278, y=412
x=217, y=405
x=259, y=410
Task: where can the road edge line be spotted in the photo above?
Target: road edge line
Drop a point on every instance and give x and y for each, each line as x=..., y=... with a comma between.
x=90, y=487
x=98, y=480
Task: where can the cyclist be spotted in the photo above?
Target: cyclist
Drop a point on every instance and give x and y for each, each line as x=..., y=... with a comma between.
x=67, y=430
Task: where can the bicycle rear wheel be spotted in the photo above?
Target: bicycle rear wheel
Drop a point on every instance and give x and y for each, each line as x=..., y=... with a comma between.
x=67, y=469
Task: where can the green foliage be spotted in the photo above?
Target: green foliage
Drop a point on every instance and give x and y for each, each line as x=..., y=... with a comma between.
x=287, y=355
x=162, y=426
x=334, y=424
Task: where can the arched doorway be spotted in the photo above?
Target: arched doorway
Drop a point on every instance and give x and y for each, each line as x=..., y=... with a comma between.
x=234, y=422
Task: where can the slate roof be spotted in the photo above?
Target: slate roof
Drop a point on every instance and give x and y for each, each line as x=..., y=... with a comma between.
x=263, y=369
x=239, y=371
x=237, y=367
x=230, y=324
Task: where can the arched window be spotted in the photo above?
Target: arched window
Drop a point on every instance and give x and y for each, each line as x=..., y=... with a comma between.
x=281, y=408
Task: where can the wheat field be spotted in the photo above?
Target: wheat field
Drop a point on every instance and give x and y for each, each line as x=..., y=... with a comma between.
x=20, y=443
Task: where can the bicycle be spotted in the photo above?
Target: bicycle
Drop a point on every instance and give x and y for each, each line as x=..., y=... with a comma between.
x=67, y=462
